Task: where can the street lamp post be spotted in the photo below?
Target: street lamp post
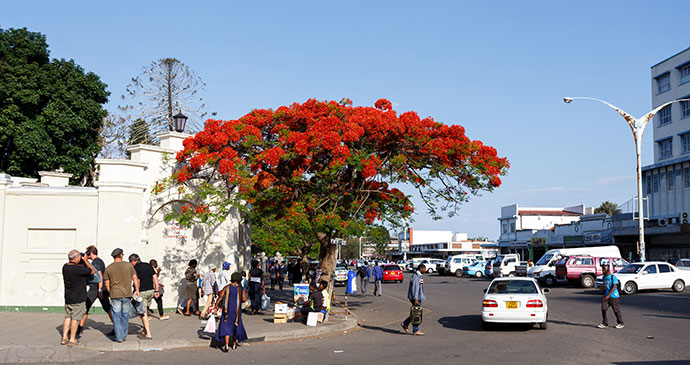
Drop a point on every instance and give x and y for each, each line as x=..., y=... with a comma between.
x=637, y=126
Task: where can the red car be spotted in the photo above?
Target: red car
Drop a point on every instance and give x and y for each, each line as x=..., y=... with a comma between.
x=392, y=273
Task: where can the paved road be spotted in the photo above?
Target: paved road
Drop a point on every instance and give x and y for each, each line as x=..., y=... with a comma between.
x=657, y=329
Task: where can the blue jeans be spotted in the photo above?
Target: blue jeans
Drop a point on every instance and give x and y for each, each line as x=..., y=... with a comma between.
x=415, y=329
x=120, y=309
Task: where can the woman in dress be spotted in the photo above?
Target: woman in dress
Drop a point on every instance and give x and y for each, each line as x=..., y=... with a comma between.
x=230, y=300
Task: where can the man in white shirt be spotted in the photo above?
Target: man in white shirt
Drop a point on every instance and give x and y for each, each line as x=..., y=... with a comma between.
x=208, y=284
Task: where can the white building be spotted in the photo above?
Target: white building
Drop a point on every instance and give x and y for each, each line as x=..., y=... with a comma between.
x=519, y=223
x=40, y=222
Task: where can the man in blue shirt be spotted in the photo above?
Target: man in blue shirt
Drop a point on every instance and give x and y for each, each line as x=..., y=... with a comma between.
x=378, y=278
x=611, y=298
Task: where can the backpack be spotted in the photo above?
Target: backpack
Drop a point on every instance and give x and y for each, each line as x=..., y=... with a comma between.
x=362, y=272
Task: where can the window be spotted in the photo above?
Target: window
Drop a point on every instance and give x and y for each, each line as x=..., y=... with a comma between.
x=584, y=261
x=670, y=179
x=651, y=269
x=664, y=115
x=685, y=143
x=684, y=109
x=648, y=183
x=684, y=74
x=619, y=263
x=505, y=227
x=663, y=83
x=686, y=177
x=512, y=227
x=664, y=268
x=655, y=183
x=665, y=148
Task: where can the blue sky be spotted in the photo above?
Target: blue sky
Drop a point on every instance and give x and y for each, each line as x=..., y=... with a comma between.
x=498, y=68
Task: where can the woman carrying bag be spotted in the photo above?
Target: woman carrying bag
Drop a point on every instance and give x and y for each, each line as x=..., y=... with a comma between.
x=230, y=300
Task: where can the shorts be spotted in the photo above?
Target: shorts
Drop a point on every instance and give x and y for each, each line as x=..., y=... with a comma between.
x=75, y=311
x=147, y=297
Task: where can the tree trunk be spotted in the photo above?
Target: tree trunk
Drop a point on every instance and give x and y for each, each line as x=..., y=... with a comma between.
x=328, y=254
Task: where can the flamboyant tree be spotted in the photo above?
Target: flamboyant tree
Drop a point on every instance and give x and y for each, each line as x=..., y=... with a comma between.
x=324, y=170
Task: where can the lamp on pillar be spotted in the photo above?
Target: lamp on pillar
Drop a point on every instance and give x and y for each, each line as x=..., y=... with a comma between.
x=179, y=122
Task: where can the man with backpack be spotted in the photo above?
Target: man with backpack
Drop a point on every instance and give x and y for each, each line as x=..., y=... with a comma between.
x=611, y=298
x=364, y=273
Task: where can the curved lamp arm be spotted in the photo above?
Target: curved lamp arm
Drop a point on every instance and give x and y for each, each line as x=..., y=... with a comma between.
x=629, y=118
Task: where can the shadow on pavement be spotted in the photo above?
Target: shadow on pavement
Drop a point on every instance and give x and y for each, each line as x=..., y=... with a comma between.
x=383, y=329
x=474, y=323
x=571, y=323
x=664, y=316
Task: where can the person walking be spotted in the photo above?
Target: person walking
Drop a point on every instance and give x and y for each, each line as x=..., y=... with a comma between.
x=611, y=298
x=415, y=293
x=96, y=290
x=364, y=274
x=75, y=274
x=208, y=285
x=378, y=279
x=256, y=286
x=119, y=277
x=273, y=274
x=297, y=272
x=231, y=329
x=282, y=270
x=190, y=287
x=148, y=290
x=161, y=289
x=224, y=277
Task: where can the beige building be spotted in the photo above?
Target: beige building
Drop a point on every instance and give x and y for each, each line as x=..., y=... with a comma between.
x=40, y=222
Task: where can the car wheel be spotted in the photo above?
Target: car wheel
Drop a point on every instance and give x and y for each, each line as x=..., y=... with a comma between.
x=549, y=281
x=478, y=274
x=678, y=286
x=542, y=325
x=630, y=288
x=430, y=270
x=511, y=275
x=458, y=273
x=587, y=281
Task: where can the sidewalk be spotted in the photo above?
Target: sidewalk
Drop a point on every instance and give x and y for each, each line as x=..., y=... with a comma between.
x=34, y=337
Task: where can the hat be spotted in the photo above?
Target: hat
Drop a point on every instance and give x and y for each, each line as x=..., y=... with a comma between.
x=226, y=265
x=212, y=266
x=117, y=252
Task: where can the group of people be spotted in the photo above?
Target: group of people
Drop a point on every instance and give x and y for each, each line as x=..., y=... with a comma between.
x=124, y=289
x=365, y=274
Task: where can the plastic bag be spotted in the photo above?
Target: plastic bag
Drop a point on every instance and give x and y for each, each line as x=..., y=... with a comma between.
x=211, y=324
x=265, y=302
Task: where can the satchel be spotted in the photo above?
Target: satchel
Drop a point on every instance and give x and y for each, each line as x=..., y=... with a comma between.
x=416, y=314
x=94, y=278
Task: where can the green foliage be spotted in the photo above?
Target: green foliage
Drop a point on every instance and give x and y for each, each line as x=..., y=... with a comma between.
x=608, y=207
x=380, y=237
x=139, y=133
x=51, y=111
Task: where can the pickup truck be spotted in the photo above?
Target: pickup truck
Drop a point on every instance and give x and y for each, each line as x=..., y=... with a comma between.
x=504, y=265
x=581, y=270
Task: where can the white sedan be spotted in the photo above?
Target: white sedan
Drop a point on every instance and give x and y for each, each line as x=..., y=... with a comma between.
x=515, y=300
x=341, y=274
x=649, y=275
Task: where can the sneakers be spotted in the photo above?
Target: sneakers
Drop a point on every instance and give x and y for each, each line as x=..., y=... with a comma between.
x=164, y=317
x=619, y=326
x=601, y=325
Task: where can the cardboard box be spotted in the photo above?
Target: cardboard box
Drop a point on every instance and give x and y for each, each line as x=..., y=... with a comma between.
x=281, y=309
x=280, y=318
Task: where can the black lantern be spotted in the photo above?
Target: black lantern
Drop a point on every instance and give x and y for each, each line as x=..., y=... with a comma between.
x=179, y=122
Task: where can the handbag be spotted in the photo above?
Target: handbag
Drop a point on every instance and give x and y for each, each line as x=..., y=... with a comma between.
x=416, y=314
x=95, y=278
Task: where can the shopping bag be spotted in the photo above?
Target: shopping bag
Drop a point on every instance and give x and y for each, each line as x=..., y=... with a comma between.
x=265, y=302
x=211, y=324
x=312, y=319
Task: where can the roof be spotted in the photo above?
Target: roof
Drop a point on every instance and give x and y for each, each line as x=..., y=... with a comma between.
x=547, y=212
x=668, y=58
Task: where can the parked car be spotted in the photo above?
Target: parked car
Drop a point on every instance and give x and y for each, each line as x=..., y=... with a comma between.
x=392, y=273
x=340, y=274
x=515, y=300
x=504, y=265
x=489, y=268
x=454, y=264
x=683, y=264
x=649, y=275
x=430, y=264
x=544, y=269
x=475, y=269
x=581, y=270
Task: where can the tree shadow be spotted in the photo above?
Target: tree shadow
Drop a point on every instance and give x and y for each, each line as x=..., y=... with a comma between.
x=571, y=323
x=664, y=316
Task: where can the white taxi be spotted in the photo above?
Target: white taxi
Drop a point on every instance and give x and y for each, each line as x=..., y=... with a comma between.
x=649, y=275
x=514, y=300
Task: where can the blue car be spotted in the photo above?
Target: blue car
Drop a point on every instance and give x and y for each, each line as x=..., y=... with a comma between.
x=476, y=269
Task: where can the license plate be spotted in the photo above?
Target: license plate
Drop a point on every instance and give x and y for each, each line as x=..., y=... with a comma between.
x=511, y=305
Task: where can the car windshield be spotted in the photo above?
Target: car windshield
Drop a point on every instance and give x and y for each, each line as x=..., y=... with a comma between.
x=544, y=260
x=512, y=287
x=631, y=269
x=391, y=267
x=341, y=267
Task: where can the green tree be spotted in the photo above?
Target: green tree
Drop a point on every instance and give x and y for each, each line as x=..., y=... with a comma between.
x=139, y=133
x=380, y=237
x=608, y=208
x=51, y=111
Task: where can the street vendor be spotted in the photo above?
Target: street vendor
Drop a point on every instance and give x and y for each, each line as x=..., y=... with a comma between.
x=314, y=304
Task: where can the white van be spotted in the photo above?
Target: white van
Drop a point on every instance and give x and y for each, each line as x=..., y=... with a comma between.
x=504, y=265
x=455, y=263
x=544, y=270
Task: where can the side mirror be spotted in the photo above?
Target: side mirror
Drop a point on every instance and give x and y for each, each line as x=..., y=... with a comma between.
x=546, y=290
x=644, y=273
x=484, y=290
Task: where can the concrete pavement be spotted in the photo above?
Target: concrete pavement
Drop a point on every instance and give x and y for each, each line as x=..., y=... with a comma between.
x=35, y=337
